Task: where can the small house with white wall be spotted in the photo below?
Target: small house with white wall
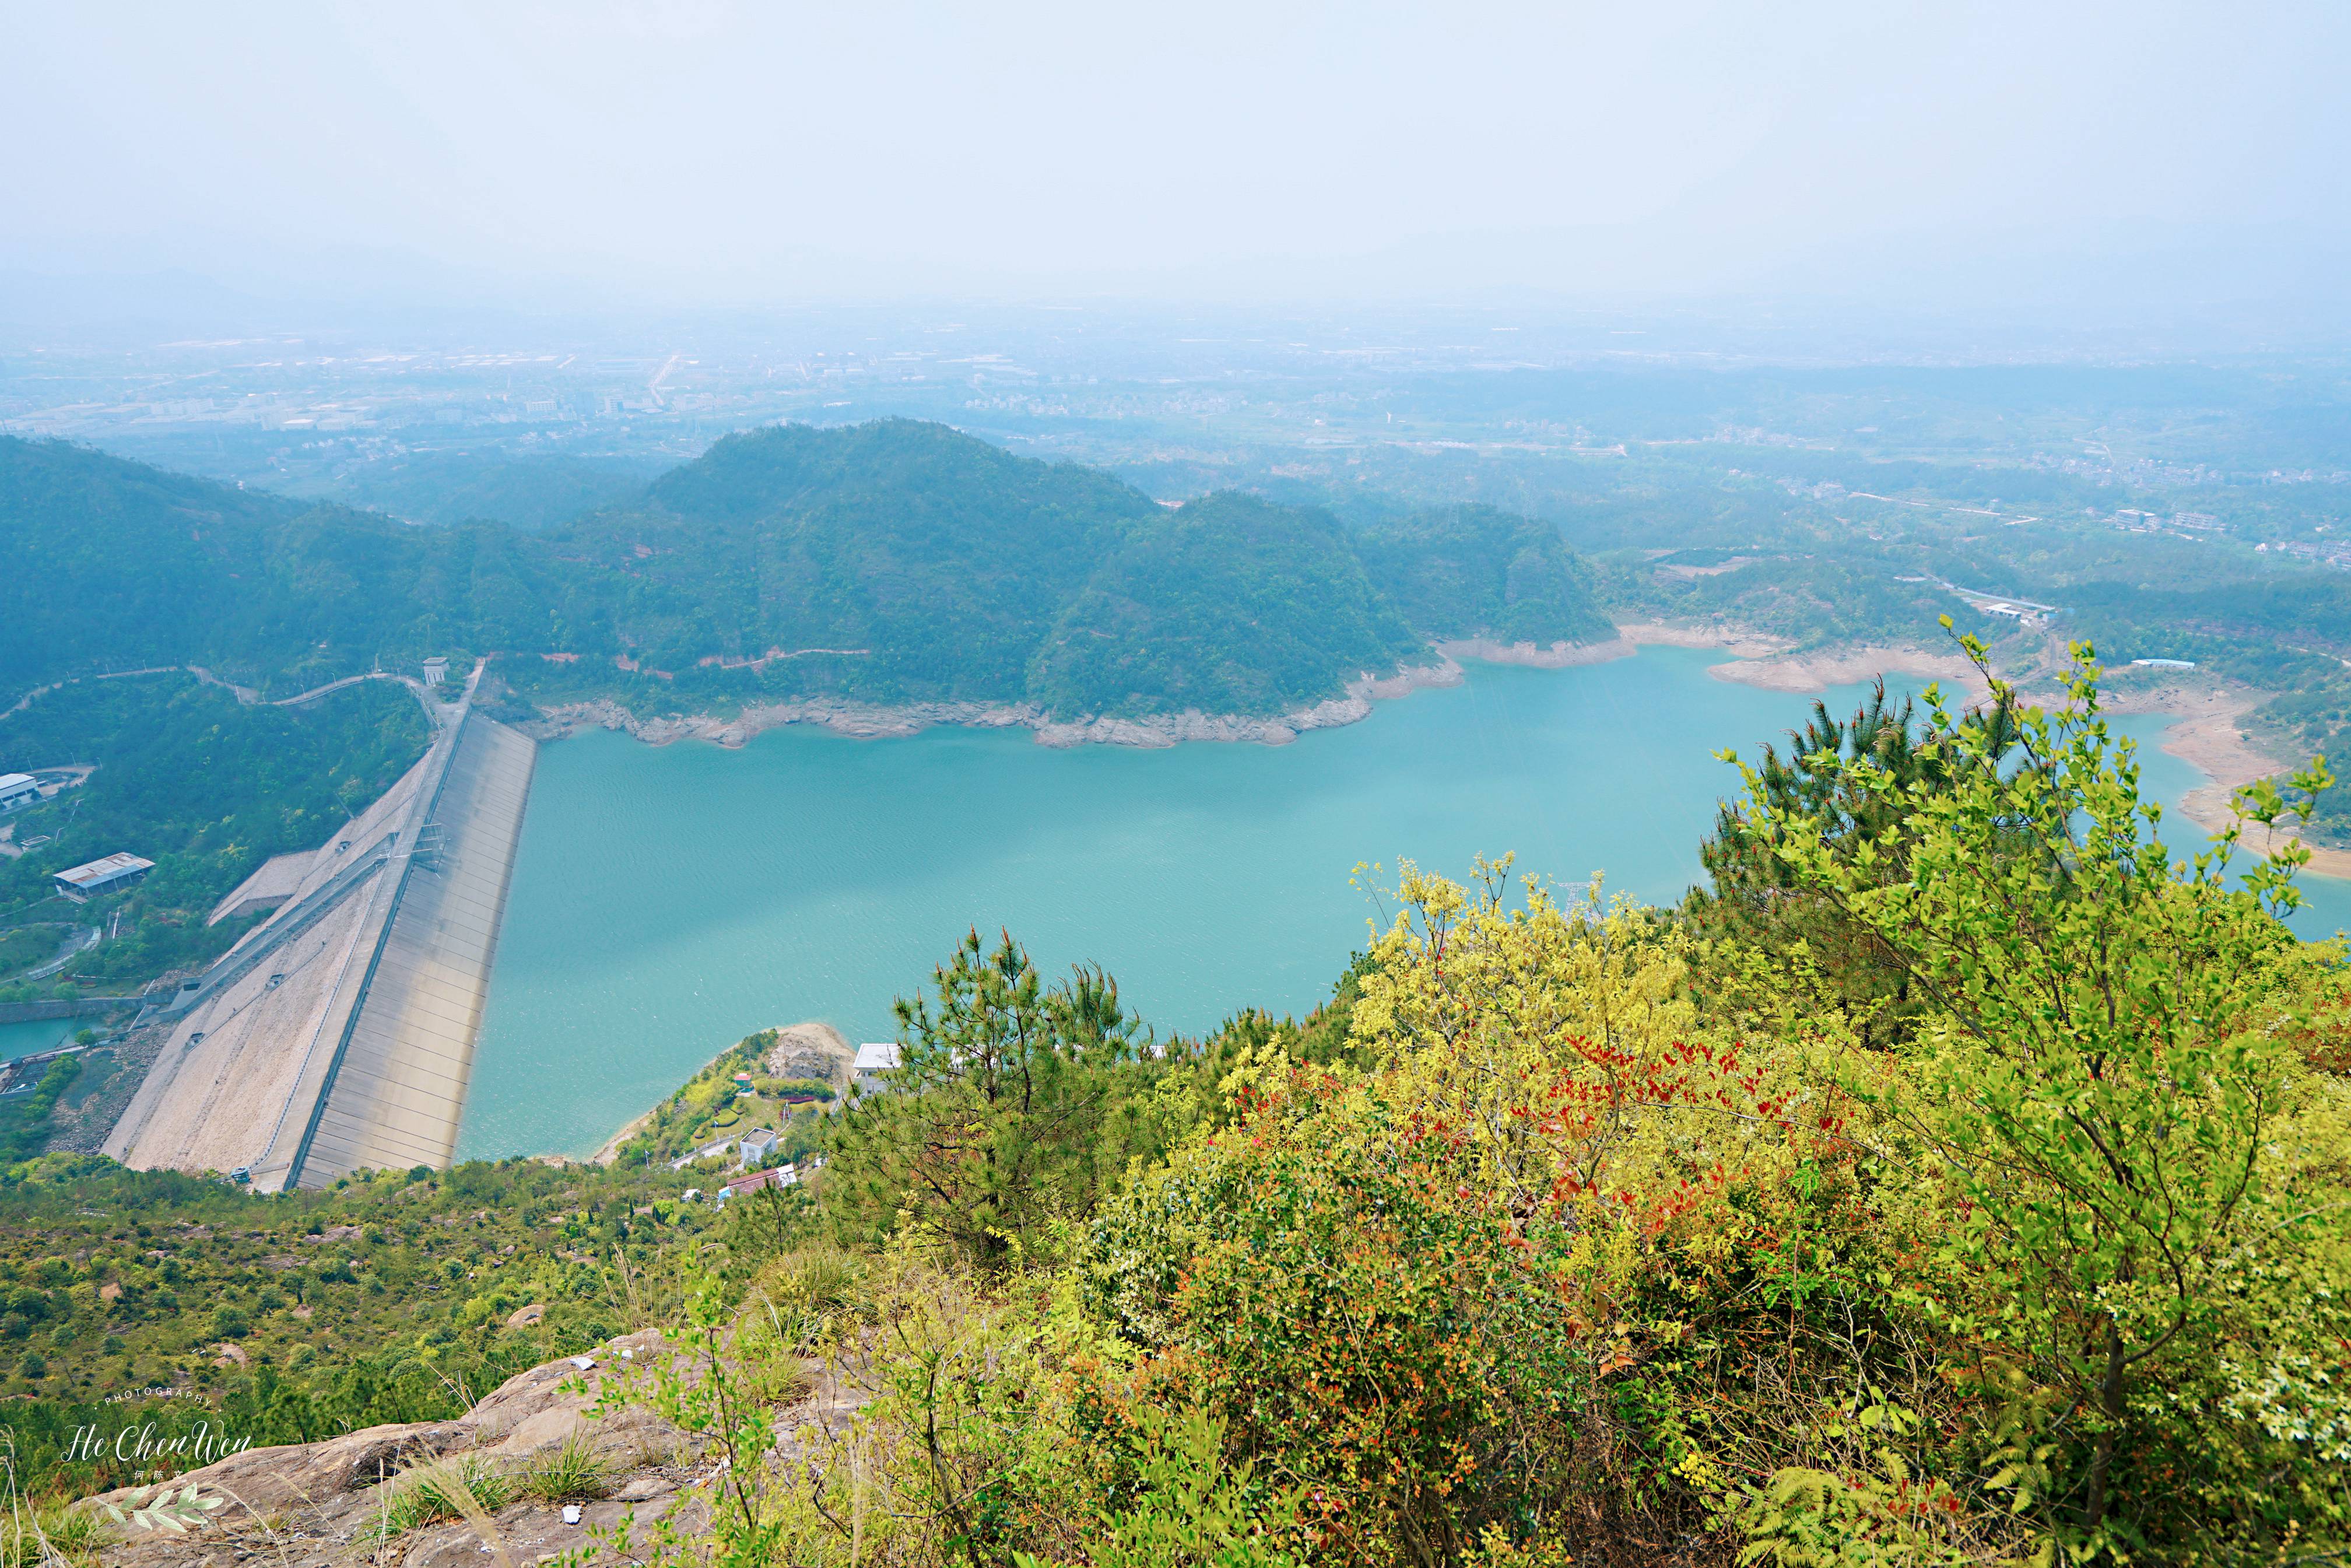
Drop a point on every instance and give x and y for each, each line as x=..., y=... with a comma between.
x=874, y=1062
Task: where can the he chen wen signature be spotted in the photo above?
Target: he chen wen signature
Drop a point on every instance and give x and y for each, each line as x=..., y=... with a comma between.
x=137, y=1444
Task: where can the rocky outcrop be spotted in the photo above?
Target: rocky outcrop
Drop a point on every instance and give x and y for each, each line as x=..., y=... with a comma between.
x=318, y=1503
x=814, y=1050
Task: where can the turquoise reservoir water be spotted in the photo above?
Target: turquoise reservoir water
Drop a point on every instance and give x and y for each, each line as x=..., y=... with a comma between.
x=668, y=901
x=24, y=1039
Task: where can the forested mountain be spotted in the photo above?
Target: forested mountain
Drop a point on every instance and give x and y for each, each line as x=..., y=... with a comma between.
x=938, y=561
x=110, y=565
x=1226, y=605
x=890, y=562
x=1460, y=571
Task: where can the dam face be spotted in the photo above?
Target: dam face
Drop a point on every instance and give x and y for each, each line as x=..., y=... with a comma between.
x=397, y=1090
x=339, y=1034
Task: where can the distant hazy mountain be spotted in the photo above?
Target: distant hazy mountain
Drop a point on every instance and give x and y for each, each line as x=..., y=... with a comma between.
x=889, y=561
x=529, y=491
x=111, y=565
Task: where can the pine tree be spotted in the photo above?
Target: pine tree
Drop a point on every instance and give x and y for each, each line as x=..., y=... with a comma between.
x=1001, y=1116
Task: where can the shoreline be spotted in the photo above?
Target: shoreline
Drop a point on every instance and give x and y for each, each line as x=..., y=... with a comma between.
x=875, y=721
x=2206, y=732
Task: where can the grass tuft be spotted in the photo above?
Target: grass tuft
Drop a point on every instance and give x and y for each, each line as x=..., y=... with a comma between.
x=53, y=1534
x=572, y=1472
x=428, y=1493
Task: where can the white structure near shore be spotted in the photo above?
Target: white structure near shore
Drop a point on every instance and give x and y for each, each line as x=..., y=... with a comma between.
x=873, y=1061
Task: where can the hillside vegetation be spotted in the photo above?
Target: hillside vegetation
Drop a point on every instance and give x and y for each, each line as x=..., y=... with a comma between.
x=888, y=562
x=1963, y=1177
x=207, y=788
x=1227, y=605
x=1474, y=571
x=134, y=1296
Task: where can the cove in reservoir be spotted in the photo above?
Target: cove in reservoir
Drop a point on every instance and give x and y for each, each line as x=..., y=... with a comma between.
x=668, y=901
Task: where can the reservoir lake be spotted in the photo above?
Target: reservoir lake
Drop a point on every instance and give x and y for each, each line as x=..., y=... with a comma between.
x=668, y=901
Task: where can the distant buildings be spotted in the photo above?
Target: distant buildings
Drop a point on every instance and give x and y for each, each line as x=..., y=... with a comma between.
x=780, y=1177
x=759, y=1146
x=110, y=874
x=436, y=670
x=2165, y=663
x=17, y=791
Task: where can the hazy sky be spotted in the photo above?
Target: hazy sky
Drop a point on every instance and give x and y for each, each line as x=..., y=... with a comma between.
x=687, y=154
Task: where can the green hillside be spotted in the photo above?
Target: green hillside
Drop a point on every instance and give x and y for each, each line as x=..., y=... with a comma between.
x=204, y=786
x=529, y=491
x=1226, y=605
x=1475, y=572
x=109, y=565
x=942, y=558
x=886, y=562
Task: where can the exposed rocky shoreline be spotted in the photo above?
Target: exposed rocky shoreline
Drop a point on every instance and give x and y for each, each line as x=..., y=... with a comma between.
x=874, y=721
x=1758, y=660
x=2208, y=737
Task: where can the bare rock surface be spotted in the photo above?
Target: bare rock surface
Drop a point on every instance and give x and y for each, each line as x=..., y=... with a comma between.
x=316, y=1504
x=812, y=1050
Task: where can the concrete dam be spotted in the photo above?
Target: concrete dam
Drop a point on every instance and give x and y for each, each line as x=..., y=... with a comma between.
x=338, y=1034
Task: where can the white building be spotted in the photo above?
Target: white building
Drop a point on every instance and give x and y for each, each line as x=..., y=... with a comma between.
x=872, y=1061
x=759, y=1146
x=17, y=791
